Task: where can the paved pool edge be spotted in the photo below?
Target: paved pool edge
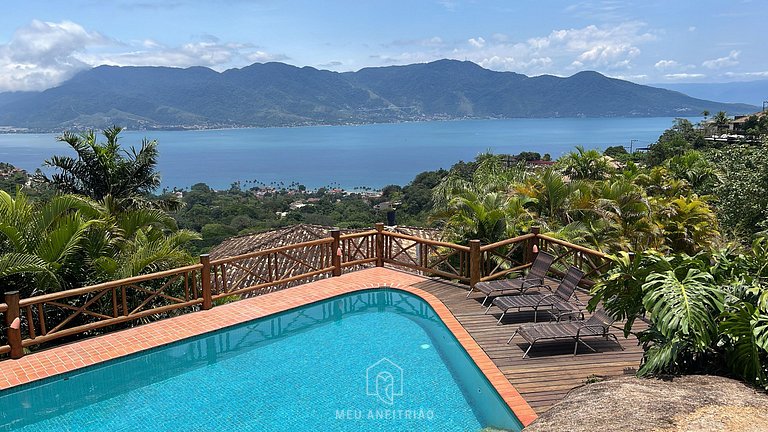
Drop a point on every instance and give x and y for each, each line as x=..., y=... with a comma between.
x=70, y=357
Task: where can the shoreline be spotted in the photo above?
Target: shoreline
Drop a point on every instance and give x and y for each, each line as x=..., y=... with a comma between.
x=12, y=130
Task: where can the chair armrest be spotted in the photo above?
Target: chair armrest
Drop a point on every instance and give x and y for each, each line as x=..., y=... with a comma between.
x=545, y=298
x=532, y=283
x=601, y=327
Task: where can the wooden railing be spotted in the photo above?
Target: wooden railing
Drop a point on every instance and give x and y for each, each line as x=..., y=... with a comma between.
x=432, y=257
x=82, y=310
x=506, y=257
x=5, y=348
x=262, y=270
x=38, y=320
x=592, y=262
x=359, y=248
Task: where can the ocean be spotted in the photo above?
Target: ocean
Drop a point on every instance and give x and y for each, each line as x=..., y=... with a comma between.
x=347, y=156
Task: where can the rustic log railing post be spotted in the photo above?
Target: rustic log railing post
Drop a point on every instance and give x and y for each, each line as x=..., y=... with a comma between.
x=13, y=321
x=336, y=252
x=205, y=280
x=475, y=259
x=529, y=255
x=379, y=245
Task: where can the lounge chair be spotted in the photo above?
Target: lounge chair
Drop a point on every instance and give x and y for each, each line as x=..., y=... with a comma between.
x=535, y=277
x=598, y=325
x=557, y=302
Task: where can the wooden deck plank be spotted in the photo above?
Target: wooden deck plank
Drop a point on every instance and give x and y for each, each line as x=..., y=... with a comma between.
x=552, y=370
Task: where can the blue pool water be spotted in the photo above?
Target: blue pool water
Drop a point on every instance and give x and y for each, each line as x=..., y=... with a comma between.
x=376, y=360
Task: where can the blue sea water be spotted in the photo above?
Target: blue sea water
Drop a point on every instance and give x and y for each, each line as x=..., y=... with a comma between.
x=377, y=360
x=349, y=156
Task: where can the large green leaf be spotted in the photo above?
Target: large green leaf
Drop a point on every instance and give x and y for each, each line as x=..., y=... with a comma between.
x=686, y=307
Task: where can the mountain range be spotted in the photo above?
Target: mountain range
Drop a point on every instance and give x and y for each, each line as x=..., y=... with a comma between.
x=277, y=94
x=751, y=92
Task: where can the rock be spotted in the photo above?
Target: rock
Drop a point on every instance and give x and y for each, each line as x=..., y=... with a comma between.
x=688, y=403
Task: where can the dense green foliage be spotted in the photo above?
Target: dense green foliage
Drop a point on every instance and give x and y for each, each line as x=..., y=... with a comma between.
x=682, y=223
x=218, y=215
x=71, y=241
x=12, y=178
x=707, y=313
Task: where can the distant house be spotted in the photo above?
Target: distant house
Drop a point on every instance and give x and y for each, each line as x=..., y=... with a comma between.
x=539, y=163
x=384, y=206
x=738, y=124
x=296, y=205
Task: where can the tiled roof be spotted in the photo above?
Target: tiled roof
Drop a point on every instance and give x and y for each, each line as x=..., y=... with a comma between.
x=258, y=267
x=297, y=234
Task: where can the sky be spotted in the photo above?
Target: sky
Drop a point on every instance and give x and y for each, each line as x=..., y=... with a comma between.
x=45, y=42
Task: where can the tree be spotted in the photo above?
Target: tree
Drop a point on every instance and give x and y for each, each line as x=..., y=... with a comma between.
x=741, y=201
x=73, y=241
x=687, y=224
x=626, y=207
x=695, y=169
x=40, y=246
x=616, y=152
x=104, y=169
x=585, y=164
x=721, y=121
x=678, y=139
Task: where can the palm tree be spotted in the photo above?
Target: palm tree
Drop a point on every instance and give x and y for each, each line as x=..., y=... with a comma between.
x=138, y=241
x=687, y=224
x=104, y=169
x=74, y=241
x=660, y=183
x=551, y=194
x=585, y=164
x=694, y=168
x=40, y=247
x=627, y=208
x=721, y=120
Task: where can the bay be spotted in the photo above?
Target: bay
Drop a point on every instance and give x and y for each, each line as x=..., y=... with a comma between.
x=348, y=156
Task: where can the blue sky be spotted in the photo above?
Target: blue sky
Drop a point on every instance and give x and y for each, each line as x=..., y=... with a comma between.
x=45, y=42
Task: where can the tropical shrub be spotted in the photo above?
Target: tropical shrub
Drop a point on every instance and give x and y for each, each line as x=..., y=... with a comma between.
x=706, y=313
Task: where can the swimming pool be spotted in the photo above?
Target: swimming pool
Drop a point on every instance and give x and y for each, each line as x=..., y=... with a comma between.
x=372, y=360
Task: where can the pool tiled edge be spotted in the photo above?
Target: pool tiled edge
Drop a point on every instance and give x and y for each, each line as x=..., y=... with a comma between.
x=110, y=346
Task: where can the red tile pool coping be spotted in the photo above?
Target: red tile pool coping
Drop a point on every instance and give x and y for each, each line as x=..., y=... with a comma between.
x=110, y=346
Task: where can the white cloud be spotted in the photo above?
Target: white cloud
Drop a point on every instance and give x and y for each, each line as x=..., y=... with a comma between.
x=595, y=47
x=43, y=54
x=682, y=76
x=500, y=37
x=635, y=78
x=692, y=28
x=261, y=56
x=510, y=63
x=477, y=42
x=732, y=59
x=209, y=52
x=616, y=55
x=666, y=64
x=761, y=74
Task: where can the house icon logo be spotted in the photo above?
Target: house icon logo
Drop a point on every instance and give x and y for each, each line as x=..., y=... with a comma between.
x=384, y=379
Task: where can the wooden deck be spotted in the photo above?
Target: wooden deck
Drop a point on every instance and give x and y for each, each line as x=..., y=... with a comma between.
x=551, y=370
